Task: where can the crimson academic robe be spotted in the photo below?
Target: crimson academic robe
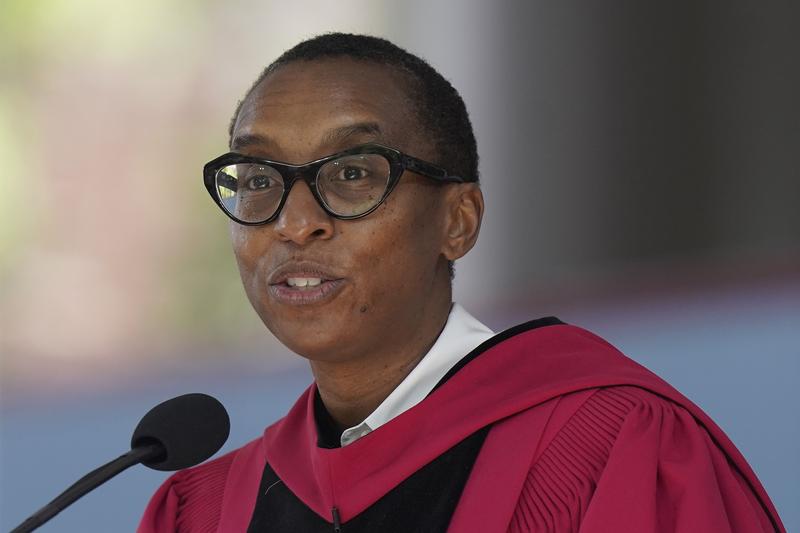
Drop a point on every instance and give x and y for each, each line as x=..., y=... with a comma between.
x=580, y=438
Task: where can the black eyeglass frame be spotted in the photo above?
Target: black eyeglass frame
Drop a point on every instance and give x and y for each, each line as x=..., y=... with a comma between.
x=308, y=172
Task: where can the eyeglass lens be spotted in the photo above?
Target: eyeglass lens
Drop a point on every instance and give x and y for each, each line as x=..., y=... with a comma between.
x=350, y=185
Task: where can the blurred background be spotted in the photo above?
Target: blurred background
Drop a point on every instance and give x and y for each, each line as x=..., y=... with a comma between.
x=640, y=163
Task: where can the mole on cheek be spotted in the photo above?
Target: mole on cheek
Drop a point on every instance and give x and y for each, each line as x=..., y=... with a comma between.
x=364, y=308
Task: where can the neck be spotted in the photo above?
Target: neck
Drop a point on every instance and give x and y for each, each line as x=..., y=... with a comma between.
x=351, y=390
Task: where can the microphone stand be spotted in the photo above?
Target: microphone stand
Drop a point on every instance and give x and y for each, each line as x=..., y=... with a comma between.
x=88, y=482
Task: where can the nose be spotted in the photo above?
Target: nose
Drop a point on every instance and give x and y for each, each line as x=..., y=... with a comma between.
x=302, y=219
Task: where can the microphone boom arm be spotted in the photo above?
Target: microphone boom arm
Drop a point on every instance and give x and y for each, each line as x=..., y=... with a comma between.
x=89, y=482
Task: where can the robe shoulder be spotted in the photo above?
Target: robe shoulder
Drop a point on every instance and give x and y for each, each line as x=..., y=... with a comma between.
x=627, y=459
x=191, y=500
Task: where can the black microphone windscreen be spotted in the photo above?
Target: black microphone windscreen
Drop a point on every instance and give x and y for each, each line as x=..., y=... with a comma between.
x=191, y=428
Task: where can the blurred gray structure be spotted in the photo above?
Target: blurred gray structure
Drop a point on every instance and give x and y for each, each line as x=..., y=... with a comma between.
x=625, y=132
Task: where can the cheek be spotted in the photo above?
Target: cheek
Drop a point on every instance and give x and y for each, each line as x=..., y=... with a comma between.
x=417, y=232
x=405, y=246
x=242, y=246
x=247, y=249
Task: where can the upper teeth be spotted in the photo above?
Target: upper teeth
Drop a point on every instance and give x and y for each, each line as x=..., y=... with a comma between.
x=303, y=282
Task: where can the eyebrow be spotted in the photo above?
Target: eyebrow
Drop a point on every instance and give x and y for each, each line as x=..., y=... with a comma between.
x=333, y=136
x=339, y=135
x=249, y=139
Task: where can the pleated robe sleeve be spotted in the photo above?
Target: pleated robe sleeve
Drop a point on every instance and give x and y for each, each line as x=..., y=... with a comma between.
x=631, y=461
x=189, y=501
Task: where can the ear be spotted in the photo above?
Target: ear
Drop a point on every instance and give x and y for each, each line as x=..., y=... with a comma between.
x=463, y=221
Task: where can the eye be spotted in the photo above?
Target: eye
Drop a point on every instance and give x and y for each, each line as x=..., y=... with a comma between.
x=352, y=173
x=261, y=182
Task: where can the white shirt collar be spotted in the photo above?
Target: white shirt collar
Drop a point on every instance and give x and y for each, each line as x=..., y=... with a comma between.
x=461, y=334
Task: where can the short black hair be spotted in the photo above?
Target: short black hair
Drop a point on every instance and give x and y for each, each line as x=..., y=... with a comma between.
x=439, y=107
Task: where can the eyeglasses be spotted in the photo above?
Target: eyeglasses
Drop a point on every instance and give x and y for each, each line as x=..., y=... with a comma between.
x=347, y=185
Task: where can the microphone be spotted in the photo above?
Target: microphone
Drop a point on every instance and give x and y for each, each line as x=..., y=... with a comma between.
x=173, y=435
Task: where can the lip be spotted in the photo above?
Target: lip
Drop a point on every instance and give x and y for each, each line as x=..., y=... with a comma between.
x=331, y=283
x=301, y=269
x=295, y=296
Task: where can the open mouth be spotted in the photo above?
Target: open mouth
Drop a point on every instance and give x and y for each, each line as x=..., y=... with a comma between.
x=302, y=290
x=304, y=283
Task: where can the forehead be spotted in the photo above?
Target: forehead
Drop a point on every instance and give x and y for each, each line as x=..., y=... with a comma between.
x=295, y=109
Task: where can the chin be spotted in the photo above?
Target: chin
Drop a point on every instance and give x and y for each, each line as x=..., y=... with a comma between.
x=311, y=339
x=316, y=351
